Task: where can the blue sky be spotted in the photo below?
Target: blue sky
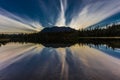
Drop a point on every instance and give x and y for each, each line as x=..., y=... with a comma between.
x=33, y=15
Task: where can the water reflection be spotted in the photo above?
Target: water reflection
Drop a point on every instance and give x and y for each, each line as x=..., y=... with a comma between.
x=78, y=62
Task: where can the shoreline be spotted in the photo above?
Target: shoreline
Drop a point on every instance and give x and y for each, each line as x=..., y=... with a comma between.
x=99, y=37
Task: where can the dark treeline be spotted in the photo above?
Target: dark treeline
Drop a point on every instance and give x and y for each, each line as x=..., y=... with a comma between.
x=70, y=36
x=109, y=31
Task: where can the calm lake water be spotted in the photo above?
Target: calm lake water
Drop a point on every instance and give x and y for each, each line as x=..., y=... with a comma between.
x=31, y=61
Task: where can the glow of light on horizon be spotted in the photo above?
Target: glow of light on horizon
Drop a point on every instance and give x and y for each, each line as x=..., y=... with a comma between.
x=94, y=12
x=61, y=21
x=11, y=23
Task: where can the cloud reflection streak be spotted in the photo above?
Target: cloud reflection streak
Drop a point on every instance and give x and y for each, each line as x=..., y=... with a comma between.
x=31, y=61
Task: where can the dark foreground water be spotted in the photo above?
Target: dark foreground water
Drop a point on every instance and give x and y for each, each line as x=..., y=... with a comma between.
x=31, y=61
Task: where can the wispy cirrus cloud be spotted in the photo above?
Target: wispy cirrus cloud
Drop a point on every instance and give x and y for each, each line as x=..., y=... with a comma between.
x=47, y=13
x=11, y=23
x=94, y=11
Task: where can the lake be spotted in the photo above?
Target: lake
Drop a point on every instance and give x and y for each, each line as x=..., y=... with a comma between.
x=32, y=61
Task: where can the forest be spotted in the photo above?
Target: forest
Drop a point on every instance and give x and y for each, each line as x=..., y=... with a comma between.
x=65, y=36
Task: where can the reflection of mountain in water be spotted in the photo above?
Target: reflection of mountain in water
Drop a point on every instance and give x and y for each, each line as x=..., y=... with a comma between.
x=113, y=43
x=35, y=62
x=57, y=45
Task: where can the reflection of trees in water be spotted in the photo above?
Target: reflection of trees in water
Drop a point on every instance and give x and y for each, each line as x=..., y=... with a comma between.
x=110, y=43
x=3, y=43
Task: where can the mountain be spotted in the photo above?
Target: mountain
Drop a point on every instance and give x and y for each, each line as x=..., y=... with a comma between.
x=58, y=29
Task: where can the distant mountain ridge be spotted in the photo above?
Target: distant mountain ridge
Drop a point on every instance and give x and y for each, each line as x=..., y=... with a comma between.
x=58, y=29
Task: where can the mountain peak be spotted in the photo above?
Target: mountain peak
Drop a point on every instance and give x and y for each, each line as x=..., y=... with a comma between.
x=58, y=29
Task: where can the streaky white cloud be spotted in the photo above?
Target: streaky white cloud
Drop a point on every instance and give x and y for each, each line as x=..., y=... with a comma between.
x=61, y=21
x=11, y=23
x=94, y=12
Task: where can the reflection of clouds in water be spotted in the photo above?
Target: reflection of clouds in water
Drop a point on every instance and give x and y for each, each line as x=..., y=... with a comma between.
x=74, y=63
x=96, y=63
x=14, y=52
x=64, y=66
